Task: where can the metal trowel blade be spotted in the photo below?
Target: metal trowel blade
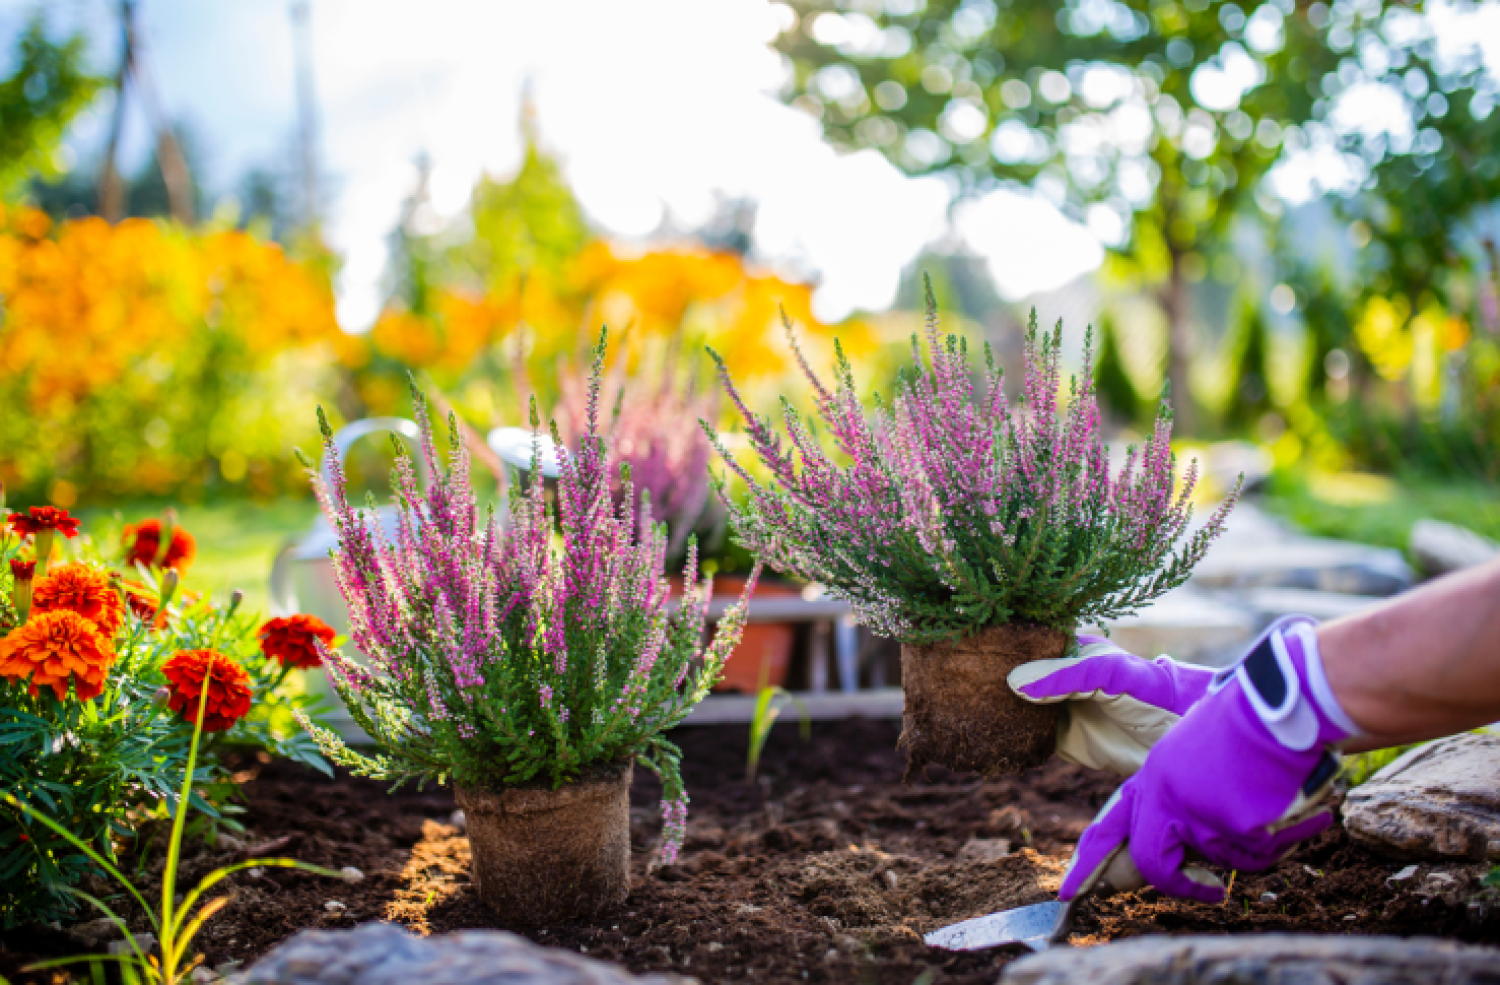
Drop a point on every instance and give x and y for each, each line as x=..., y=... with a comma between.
x=1030, y=925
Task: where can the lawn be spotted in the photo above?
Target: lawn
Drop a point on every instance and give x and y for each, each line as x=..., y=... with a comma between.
x=1377, y=509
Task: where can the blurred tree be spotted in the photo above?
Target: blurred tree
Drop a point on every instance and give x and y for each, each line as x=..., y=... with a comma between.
x=1250, y=372
x=1116, y=390
x=1154, y=120
x=528, y=223
x=49, y=87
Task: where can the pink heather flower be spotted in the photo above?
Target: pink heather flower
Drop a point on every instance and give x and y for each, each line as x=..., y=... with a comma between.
x=949, y=509
x=462, y=615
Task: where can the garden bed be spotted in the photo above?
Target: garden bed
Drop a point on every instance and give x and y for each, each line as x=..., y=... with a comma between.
x=827, y=869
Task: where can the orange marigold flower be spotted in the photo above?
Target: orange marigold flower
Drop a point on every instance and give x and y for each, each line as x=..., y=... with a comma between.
x=84, y=590
x=44, y=518
x=228, y=688
x=293, y=640
x=143, y=545
x=54, y=648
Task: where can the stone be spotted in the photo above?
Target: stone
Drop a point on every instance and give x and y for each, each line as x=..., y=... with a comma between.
x=1305, y=562
x=1270, y=604
x=1283, y=959
x=1443, y=547
x=97, y=932
x=351, y=874
x=143, y=942
x=334, y=906
x=384, y=954
x=1403, y=875
x=984, y=850
x=1189, y=625
x=1268, y=897
x=1438, y=802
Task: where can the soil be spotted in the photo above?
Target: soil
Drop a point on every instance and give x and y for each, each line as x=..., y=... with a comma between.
x=828, y=868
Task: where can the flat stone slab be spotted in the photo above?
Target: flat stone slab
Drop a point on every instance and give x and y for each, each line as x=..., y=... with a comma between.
x=1438, y=802
x=1188, y=625
x=1270, y=959
x=1320, y=565
x=384, y=954
x=1443, y=547
x=1272, y=603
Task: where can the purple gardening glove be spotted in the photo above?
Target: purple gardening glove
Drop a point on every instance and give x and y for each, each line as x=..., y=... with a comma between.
x=1238, y=781
x=1118, y=705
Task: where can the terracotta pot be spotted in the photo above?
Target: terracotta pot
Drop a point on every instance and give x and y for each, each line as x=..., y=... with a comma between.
x=764, y=653
x=541, y=856
x=961, y=714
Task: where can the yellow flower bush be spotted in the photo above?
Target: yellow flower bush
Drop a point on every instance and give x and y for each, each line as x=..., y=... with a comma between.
x=135, y=358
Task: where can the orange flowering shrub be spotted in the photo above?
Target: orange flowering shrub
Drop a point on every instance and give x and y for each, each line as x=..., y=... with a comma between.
x=54, y=649
x=83, y=589
x=143, y=546
x=687, y=292
x=228, y=688
x=180, y=347
x=293, y=640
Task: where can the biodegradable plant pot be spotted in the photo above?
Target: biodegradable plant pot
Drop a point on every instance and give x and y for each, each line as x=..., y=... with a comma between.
x=960, y=713
x=541, y=856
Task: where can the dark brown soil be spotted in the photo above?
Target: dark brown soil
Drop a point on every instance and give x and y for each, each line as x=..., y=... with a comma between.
x=827, y=869
x=962, y=714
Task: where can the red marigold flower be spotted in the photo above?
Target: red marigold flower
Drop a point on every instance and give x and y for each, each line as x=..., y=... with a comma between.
x=293, y=640
x=54, y=648
x=228, y=688
x=22, y=570
x=44, y=518
x=84, y=590
x=143, y=546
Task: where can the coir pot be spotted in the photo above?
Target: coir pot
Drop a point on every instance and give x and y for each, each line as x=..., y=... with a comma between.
x=961, y=713
x=542, y=856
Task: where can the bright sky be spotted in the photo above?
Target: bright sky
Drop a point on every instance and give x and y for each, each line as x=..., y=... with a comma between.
x=656, y=108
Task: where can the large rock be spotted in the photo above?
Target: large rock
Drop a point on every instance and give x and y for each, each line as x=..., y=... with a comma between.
x=384, y=954
x=1270, y=959
x=1440, y=801
x=1443, y=547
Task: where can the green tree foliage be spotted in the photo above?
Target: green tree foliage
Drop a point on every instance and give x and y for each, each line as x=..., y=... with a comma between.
x=529, y=222
x=48, y=88
x=1165, y=113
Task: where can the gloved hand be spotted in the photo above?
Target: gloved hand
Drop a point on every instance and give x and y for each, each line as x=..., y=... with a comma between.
x=1119, y=704
x=1238, y=781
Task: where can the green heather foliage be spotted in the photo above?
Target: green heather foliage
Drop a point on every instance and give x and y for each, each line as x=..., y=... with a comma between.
x=947, y=510
x=525, y=648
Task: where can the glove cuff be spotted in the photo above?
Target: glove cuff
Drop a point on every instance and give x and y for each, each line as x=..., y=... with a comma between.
x=1283, y=680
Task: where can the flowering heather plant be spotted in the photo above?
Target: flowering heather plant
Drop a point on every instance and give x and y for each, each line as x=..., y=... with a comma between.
x=949, y=510
x=654, y=428
x=522, y=649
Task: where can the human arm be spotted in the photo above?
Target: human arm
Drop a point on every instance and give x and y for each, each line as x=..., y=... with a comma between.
x=1423, y=665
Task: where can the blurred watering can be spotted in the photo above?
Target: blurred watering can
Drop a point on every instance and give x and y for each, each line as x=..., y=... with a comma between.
x=302, y=575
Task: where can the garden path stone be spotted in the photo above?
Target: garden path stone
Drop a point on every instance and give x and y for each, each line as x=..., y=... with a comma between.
x=1440, y=801
x=384, y=954
x=1443, y=547
x=1320, y=565
x=1189, y=625
x=1282, y=959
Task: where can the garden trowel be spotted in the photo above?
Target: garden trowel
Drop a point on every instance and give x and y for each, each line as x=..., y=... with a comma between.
x=1041, y=925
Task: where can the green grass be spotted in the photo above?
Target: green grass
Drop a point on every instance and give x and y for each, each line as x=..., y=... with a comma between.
x=237, y=539
x=1380, y=510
